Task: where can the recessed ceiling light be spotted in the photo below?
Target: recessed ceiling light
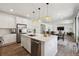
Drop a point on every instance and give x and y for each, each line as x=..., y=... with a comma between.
x=11, y=10
x=28, y=15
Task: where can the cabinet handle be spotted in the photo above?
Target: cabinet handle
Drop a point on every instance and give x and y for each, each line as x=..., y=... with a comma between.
x=36, y=42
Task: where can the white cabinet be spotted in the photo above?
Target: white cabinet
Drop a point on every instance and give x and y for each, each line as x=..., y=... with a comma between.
x=9, y=38
x=7, y=21
x=50, y=46
x=26, y=43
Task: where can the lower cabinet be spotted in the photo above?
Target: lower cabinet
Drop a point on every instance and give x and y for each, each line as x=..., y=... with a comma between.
x=31, y=45
x=35, y=47
x=26, y=43
x=40, y=48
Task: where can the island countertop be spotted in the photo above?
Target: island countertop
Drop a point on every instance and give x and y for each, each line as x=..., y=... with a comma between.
x=40, y=37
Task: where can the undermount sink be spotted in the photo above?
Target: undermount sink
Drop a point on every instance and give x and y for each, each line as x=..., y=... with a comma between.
x=31, y=35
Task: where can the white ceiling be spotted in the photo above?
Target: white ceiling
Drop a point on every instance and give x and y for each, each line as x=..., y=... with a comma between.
x=56, y=10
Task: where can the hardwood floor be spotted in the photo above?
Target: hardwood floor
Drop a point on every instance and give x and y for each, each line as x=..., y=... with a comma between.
x=13, y=50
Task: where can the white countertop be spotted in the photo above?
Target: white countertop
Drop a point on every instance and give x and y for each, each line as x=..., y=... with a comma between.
x=40, y=37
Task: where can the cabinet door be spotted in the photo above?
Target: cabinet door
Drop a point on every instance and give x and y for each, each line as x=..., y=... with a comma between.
x=26, y=43
x=22, y=41
x=7, y=21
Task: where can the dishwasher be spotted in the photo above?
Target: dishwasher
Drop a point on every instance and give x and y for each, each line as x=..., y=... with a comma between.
x=35, y=47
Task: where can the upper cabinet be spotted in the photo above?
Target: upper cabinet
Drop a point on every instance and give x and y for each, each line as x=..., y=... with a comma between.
x=7, y=21
x=10, y=21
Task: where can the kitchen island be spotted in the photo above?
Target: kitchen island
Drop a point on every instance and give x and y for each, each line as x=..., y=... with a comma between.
x=46, y=46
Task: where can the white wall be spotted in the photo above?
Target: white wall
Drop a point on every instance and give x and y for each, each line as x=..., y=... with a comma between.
x=68, y=27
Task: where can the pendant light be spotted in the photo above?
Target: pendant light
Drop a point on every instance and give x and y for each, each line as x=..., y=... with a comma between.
x=33, y=13
x=33, y=20
x=47, y=8
x=39, y=15
x=47, y=17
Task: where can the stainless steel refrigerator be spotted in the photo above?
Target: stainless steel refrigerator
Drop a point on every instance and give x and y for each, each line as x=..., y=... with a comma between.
x=19, y=28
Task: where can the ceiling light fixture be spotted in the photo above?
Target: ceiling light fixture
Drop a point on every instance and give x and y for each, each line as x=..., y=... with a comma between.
x=33, y=20
x=47, y=8
x=33, y=14
x=39, y=13
x=47, y=18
